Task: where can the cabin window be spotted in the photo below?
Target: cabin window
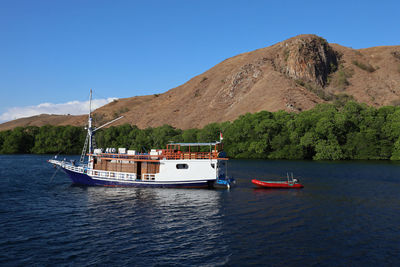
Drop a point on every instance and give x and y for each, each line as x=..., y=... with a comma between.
x=182, y=166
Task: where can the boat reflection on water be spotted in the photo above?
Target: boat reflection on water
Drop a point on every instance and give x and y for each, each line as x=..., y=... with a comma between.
x=161, y=222
x=160, y=196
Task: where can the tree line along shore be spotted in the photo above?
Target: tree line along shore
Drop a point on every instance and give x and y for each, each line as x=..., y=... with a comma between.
x=327, y=132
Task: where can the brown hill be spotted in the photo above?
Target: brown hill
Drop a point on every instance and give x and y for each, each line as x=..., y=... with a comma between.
x=293, y=75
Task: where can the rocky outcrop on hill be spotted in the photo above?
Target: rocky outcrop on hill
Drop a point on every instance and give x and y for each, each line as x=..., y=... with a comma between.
x=293, y=75
x=308, y=57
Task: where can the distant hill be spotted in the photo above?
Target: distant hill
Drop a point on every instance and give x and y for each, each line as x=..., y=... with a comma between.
x=292, y=75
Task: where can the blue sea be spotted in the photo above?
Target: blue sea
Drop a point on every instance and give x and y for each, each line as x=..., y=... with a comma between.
x=348, y=214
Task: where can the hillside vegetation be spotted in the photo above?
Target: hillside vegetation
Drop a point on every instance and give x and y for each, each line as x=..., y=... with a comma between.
x=327, y=132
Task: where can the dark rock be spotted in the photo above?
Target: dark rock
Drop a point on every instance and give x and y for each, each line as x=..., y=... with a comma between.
x=308, y=58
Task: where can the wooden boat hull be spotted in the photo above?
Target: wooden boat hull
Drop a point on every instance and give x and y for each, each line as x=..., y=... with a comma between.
x=276, y=184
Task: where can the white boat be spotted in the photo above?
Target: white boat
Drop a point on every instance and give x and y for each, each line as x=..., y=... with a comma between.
x=178, y=165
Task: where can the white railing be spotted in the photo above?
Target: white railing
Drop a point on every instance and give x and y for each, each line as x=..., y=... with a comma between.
x=72, y=167
x=121, y=176
x=113, y=175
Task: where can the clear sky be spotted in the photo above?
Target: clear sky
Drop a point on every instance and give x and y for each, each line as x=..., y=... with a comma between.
x=54, y=51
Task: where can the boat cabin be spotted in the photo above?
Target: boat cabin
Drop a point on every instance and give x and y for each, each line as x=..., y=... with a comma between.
x=145, y=166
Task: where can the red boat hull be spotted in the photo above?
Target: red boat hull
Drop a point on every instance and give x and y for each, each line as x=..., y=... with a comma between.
x=274, y=184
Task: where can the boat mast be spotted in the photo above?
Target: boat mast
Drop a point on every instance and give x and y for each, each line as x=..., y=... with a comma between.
x=90, y=131
x=88, y=140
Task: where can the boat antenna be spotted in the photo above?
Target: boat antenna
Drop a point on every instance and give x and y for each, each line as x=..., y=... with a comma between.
x=90, y=103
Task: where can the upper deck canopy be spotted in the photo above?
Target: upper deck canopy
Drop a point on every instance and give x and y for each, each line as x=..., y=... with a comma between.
x=195, y=144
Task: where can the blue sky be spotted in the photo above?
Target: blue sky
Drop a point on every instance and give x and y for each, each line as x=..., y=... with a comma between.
x=54, y=51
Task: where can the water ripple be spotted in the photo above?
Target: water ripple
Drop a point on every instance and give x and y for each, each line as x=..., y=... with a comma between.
x=347, y=214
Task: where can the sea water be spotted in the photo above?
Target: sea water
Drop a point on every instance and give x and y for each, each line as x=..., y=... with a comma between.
x=348, y=213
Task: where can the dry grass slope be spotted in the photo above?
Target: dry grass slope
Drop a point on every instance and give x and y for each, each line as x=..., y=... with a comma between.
x=293, y=75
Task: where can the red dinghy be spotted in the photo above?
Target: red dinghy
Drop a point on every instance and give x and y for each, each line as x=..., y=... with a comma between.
x=289, y=183
x=276, y=184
